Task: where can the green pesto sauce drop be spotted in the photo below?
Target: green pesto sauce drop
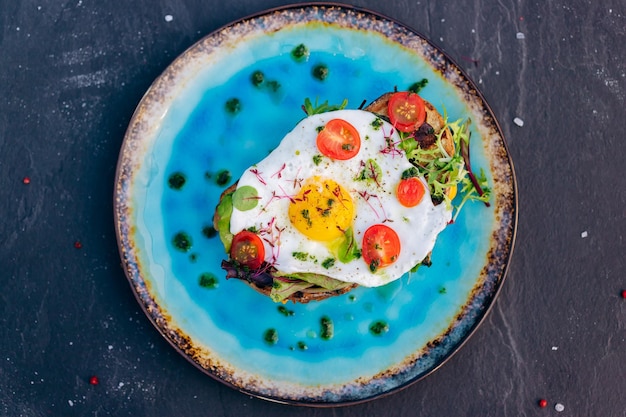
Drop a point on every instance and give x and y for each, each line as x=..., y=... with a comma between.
x=327, y=328
x=377, y=123
x=208, y=280
x=271, y=336
x=223, y=177
x=328, y=263
x=182, y=241
x=273, y=85
x=379, y=327
x=176, y=181
x=300, y=52
x=257, y=78
x=285, y=311
x=301, y=256
x=233, y=105
x=417, y=87
x=209, y=232
x=320, y=71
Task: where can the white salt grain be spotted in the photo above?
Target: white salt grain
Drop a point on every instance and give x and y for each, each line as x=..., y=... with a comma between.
x=559, y=407
x=71, y=403
x=584, y=234
x=520, y=35
x=169, y=17
x=518, y=121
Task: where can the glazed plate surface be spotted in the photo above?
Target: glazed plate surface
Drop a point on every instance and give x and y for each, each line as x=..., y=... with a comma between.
x=185, y=145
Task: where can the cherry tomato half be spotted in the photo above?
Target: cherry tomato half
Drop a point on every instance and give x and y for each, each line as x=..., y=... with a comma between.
x=339, y=140
x=406, y=111
x=381, y=247
x=410, y=192
x=247, y=249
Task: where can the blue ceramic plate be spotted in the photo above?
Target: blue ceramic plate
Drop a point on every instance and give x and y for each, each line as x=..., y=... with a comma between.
x=184, y=146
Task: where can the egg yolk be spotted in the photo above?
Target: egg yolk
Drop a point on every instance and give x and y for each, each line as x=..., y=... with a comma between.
x=323, y=210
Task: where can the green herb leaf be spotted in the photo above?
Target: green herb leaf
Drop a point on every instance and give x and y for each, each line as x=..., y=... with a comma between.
x=311, y=109
x=245, y=198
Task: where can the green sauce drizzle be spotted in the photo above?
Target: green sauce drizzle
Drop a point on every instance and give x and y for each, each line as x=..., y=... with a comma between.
x=257, y=78
x=271, y=336
x=233, y=105
x=208, y=280
x=379, y=327
x=182, y=241
x=300, y=52
x=327, y=328
x=285, y=311
x=320, y=71
x=209, y=232
x=176, y=181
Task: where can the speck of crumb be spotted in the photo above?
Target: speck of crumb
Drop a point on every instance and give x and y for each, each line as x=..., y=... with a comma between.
x=169, y=17
x=519, y=122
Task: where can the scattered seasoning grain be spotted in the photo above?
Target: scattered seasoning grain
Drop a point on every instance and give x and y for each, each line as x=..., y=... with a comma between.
x=26, y=180
x=78, y=244
x=559, y=407
x=518, y=121
x=94, y=380
x=624, y=294
x=543, y=403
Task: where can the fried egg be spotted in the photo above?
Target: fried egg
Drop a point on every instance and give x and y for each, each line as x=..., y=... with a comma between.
x=313, y=211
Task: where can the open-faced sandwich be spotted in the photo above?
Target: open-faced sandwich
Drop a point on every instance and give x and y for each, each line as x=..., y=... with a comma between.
x=348, y=198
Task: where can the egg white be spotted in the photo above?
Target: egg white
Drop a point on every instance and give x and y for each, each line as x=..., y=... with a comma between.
x=281, y=174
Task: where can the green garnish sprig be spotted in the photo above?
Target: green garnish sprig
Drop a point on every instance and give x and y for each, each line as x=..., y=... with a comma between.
x=443, y=171
x=311, y=109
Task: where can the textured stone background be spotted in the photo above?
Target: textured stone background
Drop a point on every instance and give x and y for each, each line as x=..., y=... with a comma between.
x=71, y=74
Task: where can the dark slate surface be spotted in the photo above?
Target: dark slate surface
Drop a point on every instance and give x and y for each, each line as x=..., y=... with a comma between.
x=71, y=74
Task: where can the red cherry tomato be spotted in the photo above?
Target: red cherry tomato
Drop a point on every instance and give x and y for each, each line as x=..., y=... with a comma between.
x=339, y=140
x=381, y=247
x=410, y=192
x=247, y=249
x=406, y=111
